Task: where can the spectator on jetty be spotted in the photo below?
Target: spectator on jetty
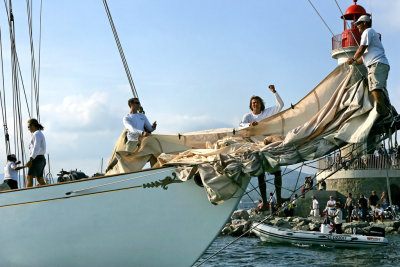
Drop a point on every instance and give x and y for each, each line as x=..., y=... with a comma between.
x=384, y=201
x=330, y=206
x=348, y=206
x=378, y=213
x=373, y=200
x=308, y=183
x=363, y=204
x=337, y=217
x=259, y=207
x=355, y=214
x=272, y=202
x=322, y=185
x=294, y=201
x=314, y=207
x=338, y=161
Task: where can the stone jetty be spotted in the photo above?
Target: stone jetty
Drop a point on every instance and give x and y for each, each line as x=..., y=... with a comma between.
x=241, y=221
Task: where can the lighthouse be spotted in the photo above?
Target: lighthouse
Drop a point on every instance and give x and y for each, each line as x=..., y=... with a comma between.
x=345, y=45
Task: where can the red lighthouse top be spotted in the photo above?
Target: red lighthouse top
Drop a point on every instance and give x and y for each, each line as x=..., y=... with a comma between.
x=353, y=13
x=349, y=37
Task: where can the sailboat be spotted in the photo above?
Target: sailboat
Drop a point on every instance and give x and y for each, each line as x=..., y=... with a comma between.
x=168, y=215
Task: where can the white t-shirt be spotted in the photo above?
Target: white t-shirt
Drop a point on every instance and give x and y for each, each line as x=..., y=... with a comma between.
x=272, y=200
x=315, y=204
x=9, y=172
x=332, y=203
x=378, y=212
x=375, y=51
x=339, y=216
x=268, y=112
x=135, y=124
x=37, y=145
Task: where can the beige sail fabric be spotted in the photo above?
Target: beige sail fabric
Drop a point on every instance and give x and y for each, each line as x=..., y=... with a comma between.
x=336, y=112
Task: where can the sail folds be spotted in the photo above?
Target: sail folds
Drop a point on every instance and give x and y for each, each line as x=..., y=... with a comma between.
x=337, y=112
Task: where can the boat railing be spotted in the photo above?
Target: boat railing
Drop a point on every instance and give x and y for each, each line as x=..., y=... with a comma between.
x=366, y=162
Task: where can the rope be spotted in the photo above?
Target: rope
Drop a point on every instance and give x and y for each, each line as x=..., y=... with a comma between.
x=121, y=52
x=333, y=35
x=34, y=83
x=3, y=101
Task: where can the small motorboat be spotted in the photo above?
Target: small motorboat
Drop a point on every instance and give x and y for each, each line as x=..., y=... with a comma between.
x=324, y=238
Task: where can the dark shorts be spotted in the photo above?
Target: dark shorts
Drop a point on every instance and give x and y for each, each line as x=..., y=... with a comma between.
x=11, y=183
x=37, y=167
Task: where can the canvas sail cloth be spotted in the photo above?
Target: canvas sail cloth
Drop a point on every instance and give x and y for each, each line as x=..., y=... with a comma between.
x=337, y=112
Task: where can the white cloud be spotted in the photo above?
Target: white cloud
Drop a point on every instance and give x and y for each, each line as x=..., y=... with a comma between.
x=175, y=123
x=81, y=113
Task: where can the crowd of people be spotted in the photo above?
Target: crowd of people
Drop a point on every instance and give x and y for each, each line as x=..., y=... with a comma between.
x=363, y=208
x=381, y=158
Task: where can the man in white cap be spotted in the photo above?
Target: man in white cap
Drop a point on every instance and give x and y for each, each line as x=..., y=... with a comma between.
x=372, y=54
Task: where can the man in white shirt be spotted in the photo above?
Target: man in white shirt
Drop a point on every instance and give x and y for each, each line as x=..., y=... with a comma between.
x=258, y=113
x=258, y=110
x=314, y=207
x=37, y=148
x=330, y=205
x=372, y=54
x=137, y=125
x=378, y=213
x=337, y=217
x=272, y=202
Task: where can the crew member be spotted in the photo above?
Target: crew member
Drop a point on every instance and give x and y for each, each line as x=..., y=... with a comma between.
x=372, y=54
x=258, y=113
x=37, y=148
x=137, y=125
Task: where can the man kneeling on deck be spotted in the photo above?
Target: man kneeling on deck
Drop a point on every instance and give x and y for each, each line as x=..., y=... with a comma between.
x=137, y=125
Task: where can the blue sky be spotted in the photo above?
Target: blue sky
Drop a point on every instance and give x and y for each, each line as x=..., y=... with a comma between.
x=195, y=64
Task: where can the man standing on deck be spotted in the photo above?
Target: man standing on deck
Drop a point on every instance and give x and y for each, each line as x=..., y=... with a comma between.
x=258, y=113
x=136, y=125
x=372, y=54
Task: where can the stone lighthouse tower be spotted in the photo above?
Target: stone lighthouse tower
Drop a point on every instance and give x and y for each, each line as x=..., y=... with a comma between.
x=345, y=45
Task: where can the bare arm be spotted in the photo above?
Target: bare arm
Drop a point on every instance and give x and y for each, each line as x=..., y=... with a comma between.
x=357, y=56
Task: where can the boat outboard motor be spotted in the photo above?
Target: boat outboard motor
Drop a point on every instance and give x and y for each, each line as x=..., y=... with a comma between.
x=376, y=231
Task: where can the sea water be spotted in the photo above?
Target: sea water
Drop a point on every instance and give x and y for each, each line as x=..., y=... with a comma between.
x=254, y=252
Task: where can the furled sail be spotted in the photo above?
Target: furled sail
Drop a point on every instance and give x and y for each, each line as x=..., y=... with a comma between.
x=338, y=111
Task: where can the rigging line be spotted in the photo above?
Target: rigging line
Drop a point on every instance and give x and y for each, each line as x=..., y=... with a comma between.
x=12, y=39
x=40, y=49
x=333, y=35
x=121, y=52
x=347, y=24
x=33, y=63
x=3, y=100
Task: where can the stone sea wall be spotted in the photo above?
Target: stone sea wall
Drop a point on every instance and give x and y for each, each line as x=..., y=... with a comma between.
x=241, y=221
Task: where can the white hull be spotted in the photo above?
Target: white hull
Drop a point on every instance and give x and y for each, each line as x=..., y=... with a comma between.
x=283, y=235
x=112, y=225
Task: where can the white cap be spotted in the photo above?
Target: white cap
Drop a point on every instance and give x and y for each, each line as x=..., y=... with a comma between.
x=362, y=19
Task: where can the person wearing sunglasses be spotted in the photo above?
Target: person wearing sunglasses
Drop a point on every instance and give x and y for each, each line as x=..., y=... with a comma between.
x=136, y=125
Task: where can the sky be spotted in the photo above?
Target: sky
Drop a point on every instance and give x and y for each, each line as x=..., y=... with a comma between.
x=195, y=64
